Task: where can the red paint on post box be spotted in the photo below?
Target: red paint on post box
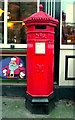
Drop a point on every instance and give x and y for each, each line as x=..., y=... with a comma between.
x=40, y=54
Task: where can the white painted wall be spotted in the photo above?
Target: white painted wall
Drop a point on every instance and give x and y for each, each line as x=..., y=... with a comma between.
x=71, y=67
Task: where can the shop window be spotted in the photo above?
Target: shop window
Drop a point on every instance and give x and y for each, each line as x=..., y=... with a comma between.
x=17, y=12
x=68, y=22
x=16, y=33
x=1, y=22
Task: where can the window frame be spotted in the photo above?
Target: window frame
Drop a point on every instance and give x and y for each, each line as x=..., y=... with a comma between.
x=64, y=46
x=5, y=44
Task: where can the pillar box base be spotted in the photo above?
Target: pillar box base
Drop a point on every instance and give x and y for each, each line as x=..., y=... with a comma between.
x=40, y=105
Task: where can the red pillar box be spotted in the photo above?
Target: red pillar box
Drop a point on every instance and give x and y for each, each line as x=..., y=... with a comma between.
x=40, y=54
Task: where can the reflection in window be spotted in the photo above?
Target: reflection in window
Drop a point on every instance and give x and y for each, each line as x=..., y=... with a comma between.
x=1, y=22
x=68, y=22
x=17, y=12
x=16, y=33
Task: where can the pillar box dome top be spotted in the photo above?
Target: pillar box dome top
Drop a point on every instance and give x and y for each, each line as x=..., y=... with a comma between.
x=40, y=18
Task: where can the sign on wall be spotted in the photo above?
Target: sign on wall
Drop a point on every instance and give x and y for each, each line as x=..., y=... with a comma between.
x=40, y=48
x=13, y=67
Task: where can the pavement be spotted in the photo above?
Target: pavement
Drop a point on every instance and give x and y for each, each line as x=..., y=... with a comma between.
x=14, y=107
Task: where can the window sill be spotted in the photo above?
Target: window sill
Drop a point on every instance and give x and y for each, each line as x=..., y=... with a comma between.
x=15, y=45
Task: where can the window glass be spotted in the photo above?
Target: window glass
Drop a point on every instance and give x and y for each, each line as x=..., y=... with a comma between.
x=1, y=22
x=68, y=22
x=17, y=12
x=16, y=33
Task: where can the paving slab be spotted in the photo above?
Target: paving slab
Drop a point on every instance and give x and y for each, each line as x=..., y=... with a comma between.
x=14, y=107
